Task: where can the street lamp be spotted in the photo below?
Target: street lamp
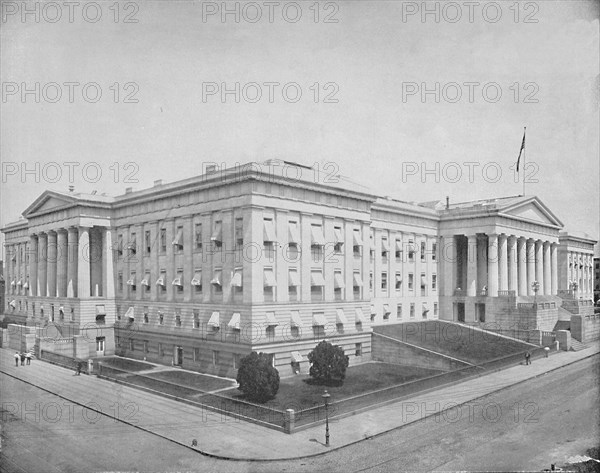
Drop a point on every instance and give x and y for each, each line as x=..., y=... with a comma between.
x=536, y=287
x=574, y=287
x=326, y=397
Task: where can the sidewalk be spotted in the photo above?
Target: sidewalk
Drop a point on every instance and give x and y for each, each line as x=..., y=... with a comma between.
x=224, y=437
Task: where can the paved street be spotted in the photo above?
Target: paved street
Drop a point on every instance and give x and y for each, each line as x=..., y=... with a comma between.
x=43, y=432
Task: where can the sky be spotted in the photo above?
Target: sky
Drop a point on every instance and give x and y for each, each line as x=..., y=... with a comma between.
x=413, y=100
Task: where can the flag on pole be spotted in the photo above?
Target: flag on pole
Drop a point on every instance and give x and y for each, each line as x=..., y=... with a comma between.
x=522, y=149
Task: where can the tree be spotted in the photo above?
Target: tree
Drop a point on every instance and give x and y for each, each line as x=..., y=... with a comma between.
x=257, y=378
x=328, y=363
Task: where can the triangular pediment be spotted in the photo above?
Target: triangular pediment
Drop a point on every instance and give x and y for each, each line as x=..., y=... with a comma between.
x=532, y=210
x=47, y=202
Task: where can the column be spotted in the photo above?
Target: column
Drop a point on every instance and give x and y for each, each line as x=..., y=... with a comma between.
x=547, y=271
x=73, y=251
x=503, y=262
x=493, y=265
x=530, y=265
x=139, y=259
x=108, y=275
x=471, y=265
x=62, y=258
x=539, y=265
x=522, y=266
x=42, y=265
x=554, y=268
x=83, y=264
x=513, y=280
x=33, y=265
x=51, y=266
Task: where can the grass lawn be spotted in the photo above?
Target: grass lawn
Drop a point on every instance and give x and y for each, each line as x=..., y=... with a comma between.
x=454, y=340
x=198, y=381
x=124, y=364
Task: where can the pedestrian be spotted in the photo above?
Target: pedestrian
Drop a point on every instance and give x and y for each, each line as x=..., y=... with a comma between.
x=527, y=357
x=22, y=359
x=28, y=357
x=546, y=351
x=17, y=357
x=79, y=364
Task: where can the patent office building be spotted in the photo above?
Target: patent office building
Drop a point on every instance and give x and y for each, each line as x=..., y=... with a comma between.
x=198, y=273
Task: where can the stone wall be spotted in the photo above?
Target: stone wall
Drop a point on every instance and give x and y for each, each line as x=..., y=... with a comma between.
x=585, y=328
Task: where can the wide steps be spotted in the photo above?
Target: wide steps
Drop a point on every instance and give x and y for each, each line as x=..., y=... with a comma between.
x=576, y=345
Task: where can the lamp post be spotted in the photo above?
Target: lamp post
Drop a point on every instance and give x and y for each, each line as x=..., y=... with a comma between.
x=326, y=397
x=574, y=287
x=536, y=287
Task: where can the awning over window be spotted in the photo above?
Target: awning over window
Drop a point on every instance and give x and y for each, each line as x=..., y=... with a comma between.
x=12, y=303
x=197, y=279
x=214, y=320
x=316, y=233
x=386, y=309
x=425, y=309
x=144, y=282
x=398, y=277
x=19, y=283
x=160, y=281
x=372, y=241
x=271, y=319
x=130, y=313
x=373, y=311
x=13, y=283
x=176, y=282
x=316, y=279
x=217, y=233
x=338, y=281
x=319, y=319
x=216, y=277
x=178, y=238
x=236, y=278
x=339, y=235
x=384, y=245
x=268, y=231
x=269, y=277
x=293, y=233
x=296, y=357
x=61, y=309
x=294, y=278
x=120, y=243
x=341, y=317
x=423, y=281
x=356, y=239
x=357, y=280
x=295, y=320
x=26, y=285
x=235, y=321
x=131, y=281
x=359, y=317
x=398, y=245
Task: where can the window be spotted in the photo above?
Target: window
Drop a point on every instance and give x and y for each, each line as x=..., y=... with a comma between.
x=132, y=344
x=411, y=250
x=411, y=281
x=120, y=244
x=338, y=285
x=398, y=250
x=384, y=281
x=161, y=350
x=399, y=311
x=317, y=242
x=197, y=281
x=196, y=354
x=161, y=318
x=423, y=250
x=145, y=346
x=72, y=314
x=412, y=310
x=162, y=282
x=215, y=357
x=293, y=283
x=178, y=241
x=178, y=282
x=356, y=243
x=269, y=251
x=177, y=318
x=385, y=248
x=269, y=284
x=198, y=236
x=163, y=240
x=236, y=360
x=146, y=316
x=433, y=282
x=196, y=313
x=52, y=312
x=435, y=309
x=423, y=284
x=270, y=332
x=358, y=349
x=100, y=343
x=317, y=284
x=148, y=242
x=398, y=282
x=33, y=309
x=146, y=282
x=357, y=285
x=132, y=246
x=371, y=281
x=131, y=282
x=120, y=281
x=239, y=233
x=433, y=251
x=339, y=239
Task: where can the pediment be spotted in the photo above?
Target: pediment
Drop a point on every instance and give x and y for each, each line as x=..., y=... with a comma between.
x=534, y=211
x=48, y=202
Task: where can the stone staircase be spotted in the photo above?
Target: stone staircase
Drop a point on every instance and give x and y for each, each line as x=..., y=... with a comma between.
x=576, y=345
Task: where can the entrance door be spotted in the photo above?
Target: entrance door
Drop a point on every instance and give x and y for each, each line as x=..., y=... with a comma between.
x=460, y=311
x=480, y=312
x=178, y=356
x=100, y=342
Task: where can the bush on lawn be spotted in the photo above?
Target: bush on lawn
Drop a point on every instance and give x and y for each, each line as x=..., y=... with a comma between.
x=257, y=378
x=328, y=363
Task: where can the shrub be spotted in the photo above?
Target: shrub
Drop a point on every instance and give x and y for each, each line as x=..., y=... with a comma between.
x=328, y=363
x=257, y=378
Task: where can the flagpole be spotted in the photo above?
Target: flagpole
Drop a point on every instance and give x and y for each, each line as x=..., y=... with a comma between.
x=524, y=152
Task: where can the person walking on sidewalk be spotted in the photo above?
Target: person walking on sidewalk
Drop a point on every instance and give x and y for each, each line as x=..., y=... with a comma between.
x=17, y=358
x=78, y=371
x=527, y=357
x=28, y=357
x=22, y=359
